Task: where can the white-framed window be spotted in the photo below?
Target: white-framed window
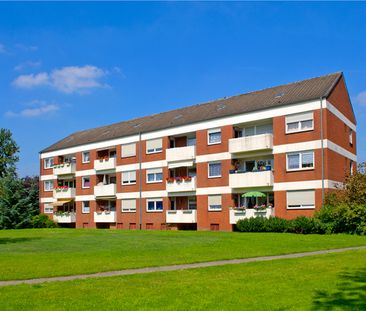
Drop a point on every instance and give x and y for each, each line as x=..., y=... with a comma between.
x=128, y=150
x=214, y=169
x=48, y=163
x=48, y=208
x=85, y=207
x=192, y=203
x=154, y=175
x=214, y=136
x=214, y=202
x=128, y=177
x=301, y=199
x=257, y=130
x=300, y=160
x=85, y=182
x=154, y=145
x=128, y=205
x=300, y=122
x=48, y=185
x=85, y=157
x=350, y=136
x=154, y=205
x=191, y=141
x=351, y=167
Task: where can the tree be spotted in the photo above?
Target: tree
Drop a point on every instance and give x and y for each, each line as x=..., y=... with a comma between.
x=8, y=153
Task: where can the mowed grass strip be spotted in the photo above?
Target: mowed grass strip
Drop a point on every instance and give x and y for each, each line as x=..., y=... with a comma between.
x=38, y=253
x=323, y=282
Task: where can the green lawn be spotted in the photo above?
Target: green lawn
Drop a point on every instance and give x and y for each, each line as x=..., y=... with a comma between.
x=54, y=252
x=323, y=282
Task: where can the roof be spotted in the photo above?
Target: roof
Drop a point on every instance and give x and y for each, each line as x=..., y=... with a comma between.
x=281, y=95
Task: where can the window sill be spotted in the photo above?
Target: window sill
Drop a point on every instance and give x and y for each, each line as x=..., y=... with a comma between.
x=214, y=177
x=154, y=211
x=154, y=152
x=299, y=208
x=128, y=212
x=129, y=184
x=215, y=210
x=154, y=182
x=300, y=169
x=210, y=144
x=299, y=131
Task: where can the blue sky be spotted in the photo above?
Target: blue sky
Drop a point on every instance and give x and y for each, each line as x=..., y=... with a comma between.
x=65, y=67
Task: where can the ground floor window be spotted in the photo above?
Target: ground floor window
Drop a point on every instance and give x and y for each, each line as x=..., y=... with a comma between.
x=48, y=208
x=154, y=205
x=301, y=199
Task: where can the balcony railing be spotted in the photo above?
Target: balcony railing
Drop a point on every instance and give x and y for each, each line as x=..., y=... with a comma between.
x=181, y=217
x=105, y=216
x=238, y=214
x=64, y=169
x=105, y=190
x=251, y=179
x=181, y=156
x=251, y=143
x=180, y=184
x=64, y=218
x=63, y=193
x=105, y=164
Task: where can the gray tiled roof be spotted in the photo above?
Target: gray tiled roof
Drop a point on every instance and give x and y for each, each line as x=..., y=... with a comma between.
x=291, y=93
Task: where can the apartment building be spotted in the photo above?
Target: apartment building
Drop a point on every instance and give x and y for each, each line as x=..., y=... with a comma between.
x=273, y=152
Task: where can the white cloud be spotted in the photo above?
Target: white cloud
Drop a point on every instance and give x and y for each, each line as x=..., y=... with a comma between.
x=27, y=64
x=71, y=79
x=361, y=98
x=42, y=109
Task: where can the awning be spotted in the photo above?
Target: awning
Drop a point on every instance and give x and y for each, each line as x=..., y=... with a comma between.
x=180, y=164
x=60, y=203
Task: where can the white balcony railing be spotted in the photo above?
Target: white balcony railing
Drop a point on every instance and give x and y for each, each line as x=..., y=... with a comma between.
x=64, y=193
x=251, y=179
x=105, y=190
x=105, y=164
x=105, y=216
x=251, y=143
x=181, y=217
x=175, y=156
x=64, y=218
x=64, y=169
x=236, y=215
x=182, y=185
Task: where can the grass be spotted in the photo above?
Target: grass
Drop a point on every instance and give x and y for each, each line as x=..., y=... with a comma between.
x=34, y=253
x=323, y=282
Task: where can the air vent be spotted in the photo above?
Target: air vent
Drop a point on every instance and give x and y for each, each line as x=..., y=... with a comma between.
x=178, y=117
x=137, y=125
x=220, y=107
x=278, y=95
x=106, y=132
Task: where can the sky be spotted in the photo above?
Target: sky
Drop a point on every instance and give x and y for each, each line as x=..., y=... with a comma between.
x=66, y=67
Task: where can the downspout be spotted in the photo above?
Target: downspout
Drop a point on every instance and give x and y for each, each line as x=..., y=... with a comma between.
x=140, y=183
x=322, y=146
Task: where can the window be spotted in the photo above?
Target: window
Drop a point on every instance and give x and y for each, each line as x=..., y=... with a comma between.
x=85, y=182
x=257, y=130
x=154, y=175
x=192, y=203
x=128, y=177
x=128, y=150
x=154, y=205
x=214, y=202
x=214, y=136
x=128, y=205
x=300, y=160
x=154, y=145
x=350, y=136
x=48, y=163
x=351, y=167
x=112, y=153
x=191, y=141
x=48, y=208
x=48, y=185
x=85, y=207
x=86, y=157
x=300, y=122
x=301, y=199
x=214, y=169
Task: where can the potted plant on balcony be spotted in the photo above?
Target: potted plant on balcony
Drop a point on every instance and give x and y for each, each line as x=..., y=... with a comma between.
x=178, y=179
x=170, y=180
x=187, y=178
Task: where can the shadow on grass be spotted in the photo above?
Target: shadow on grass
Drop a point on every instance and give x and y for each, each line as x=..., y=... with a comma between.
x=349, y=295
x=17, y=240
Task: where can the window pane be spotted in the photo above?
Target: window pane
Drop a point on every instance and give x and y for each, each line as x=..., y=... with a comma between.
x=308, y=159
x=308, y=124
x=292, y=126
x=249, y=131
x=150, y=205
x=293, y=161
x=214, y=169
x=264, y=129
x=159, y=177
x=159, y=205
x=214, y=137
x=150, y=177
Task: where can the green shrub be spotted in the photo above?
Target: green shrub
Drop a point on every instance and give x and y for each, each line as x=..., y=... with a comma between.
x=306, y=225
x=42, y=221
x=262, y=224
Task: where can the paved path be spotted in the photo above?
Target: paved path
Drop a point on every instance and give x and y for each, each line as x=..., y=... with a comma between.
x=176, y=267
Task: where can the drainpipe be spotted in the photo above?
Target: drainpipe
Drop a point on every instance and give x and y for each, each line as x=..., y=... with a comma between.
x=322, y=145
x=140, y=183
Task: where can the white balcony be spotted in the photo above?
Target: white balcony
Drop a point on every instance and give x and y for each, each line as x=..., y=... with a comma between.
x=236, y=215
x=64, y=193
x=105, y=190
x=105, y=216
x=64, y=218
x=182, y=185
x=181, y=217
x=105, y=164
x=64, y=169
x=181, y=156
x=251, y=179
x=251, y=143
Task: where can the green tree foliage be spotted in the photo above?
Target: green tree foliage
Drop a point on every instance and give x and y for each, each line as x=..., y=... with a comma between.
x=8, y=153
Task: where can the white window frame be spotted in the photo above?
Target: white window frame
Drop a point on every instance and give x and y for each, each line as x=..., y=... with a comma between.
x=154, y=171
x=154, y=150
x=155, y=200
x=48, y=188
x=213, y=131
x=350, y=136
x=192, y=199
x=128, y=155
x=48, y=163
x=129, y=182
x=299, y=118
x=300, y=206
x=83, y=157
x=208, y=169
x=128, y=210
x=47, y=208
x=300, y=168
x=209, y=205
x=82, y=182
x=85, y=209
